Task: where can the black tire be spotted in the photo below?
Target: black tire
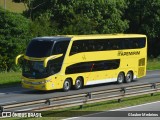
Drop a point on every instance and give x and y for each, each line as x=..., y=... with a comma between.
x=120, y=78
x=78, y=84
x=129, y=77
x=67, y=85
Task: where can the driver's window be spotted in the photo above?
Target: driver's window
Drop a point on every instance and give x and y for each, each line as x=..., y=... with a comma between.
x=56, y=64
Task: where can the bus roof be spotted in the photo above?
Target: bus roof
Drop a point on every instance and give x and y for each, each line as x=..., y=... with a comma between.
x=53, y=38
x=92, y=36
x=102, y=36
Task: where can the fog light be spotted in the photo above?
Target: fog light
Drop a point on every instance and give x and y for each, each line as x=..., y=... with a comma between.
x=52, y=85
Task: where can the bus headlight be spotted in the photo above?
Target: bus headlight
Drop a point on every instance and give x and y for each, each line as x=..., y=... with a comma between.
x=35, y=83
x=42, y=82
x=48, y=81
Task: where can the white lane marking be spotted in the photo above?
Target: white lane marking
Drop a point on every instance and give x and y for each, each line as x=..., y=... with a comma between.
x=17, y=91
x=71, y=118
x=153, y=75
x=14, y=92
x=112, y=110
x=8, y=102
x=136, y=106
x=5, y=93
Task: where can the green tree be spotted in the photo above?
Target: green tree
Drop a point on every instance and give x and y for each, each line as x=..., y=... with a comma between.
x=144, y=17
x=94, y=16
x=29, y=4
x=14, y=35
x=42, y=26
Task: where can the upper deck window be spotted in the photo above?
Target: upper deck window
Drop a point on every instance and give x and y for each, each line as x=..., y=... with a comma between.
x=107, y=44
x=44, y=48
x=60, y=47
x=39, y=48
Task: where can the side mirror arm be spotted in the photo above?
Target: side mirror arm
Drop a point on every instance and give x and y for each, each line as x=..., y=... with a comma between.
x=50, y=58
x=17, y=58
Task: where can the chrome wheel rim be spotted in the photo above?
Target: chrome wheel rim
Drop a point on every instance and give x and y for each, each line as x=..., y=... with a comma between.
x=120, y=78
x=129, y=77
x=78, y=83
x=67, y=85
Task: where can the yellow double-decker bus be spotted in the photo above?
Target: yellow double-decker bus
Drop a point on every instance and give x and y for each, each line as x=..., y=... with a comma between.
x=74, y=61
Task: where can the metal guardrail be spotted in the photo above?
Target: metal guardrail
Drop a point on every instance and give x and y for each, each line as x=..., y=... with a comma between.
x=82, y=99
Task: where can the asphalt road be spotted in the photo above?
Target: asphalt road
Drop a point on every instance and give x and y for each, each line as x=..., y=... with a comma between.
x=149, y=111
x=18, y=94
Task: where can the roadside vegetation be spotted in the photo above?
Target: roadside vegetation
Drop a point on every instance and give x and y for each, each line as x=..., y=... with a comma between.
x=153, y=64
x=9, y=79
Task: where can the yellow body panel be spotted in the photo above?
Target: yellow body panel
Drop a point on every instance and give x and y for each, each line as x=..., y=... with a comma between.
x=127, y=63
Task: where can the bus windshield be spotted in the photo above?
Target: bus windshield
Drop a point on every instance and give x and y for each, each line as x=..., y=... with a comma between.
x=39, y=48
x=36, y=69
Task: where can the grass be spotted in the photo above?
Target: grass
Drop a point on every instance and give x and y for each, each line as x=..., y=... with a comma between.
x=153, y=64
x=12, y=6
x=10, y=78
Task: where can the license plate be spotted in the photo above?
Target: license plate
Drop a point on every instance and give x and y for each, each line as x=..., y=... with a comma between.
x=31, y=87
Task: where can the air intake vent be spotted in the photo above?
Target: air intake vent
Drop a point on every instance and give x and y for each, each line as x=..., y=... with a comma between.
x=141, y=71
x=142, y=62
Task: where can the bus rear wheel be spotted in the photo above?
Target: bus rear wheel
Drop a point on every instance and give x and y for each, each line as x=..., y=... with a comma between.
x=67, y=85
x=129, y=77
x=78, y=83
x=120, y=78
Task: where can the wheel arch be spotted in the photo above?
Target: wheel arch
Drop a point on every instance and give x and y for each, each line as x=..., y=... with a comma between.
x=131, y=72
x=121, y=72
x=71, y=80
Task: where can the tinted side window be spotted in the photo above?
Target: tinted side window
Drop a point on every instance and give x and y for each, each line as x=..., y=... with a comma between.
x=134, y=43
x=107, y=44
x=60, y=47
x=93, y=66
x=54, y=66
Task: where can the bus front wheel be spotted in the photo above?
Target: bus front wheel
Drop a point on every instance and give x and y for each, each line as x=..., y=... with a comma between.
x=78, y=83
x=67, y=85
x=120, y=78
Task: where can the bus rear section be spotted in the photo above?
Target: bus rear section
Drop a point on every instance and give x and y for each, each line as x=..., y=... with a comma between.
x=114, y=58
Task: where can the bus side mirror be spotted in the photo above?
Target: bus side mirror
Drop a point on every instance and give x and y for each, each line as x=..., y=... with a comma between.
x=17, y=58
x=51, y=58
